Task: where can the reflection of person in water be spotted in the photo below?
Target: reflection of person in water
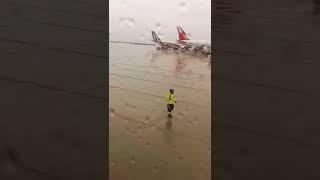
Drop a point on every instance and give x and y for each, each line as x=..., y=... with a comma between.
x=168, y=134
x=180, y=64
x=169, y=123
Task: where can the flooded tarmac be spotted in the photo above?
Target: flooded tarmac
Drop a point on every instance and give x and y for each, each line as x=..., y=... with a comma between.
x=144, y=143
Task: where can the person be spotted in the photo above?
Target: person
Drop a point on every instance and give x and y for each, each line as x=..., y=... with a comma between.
x=170, y=102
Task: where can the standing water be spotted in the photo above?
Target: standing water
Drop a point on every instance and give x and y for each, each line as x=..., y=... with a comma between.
x=144, y=143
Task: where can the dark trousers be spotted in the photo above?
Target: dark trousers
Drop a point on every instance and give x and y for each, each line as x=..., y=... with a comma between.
x=170, y=107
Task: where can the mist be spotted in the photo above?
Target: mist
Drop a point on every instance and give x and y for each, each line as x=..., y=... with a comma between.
x=132, y=20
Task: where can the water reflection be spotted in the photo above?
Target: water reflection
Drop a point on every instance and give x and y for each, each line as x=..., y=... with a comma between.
x=142, y=137
x=169, y=122
x=168, y=132
x=180, y=64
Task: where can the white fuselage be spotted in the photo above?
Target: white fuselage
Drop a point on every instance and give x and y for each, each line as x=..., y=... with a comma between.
x=205, y=46
x=196, y=43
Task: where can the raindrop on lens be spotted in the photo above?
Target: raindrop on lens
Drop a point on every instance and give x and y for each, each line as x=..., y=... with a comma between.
x=133, y=161
x=112, y=112
x=147, y=144
x=146, y=119
x=180, y=115
x=127, y=22
x=183, y=7
x=155, y=169
x=113, y=163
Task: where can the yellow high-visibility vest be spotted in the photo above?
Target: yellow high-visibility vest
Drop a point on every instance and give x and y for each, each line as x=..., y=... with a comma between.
x=170, y=99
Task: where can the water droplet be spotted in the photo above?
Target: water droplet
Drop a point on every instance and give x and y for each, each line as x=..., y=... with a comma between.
x=147, y=144
x=112, y=112
x=160, y=30
x=155, y=168
x=182, y=4
x=128, y=130
x=146, y=119
x=113, y=163
x=158, y=24
x=180, y=115
x=127, y=22
x=133, y=160
x=182, y=7
x=124, y=3
x=195, y=122
x=140, y=126
x=130, y=106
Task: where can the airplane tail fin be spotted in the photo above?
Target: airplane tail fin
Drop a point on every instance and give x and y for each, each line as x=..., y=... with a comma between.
x=182, y=34
x=156, y=38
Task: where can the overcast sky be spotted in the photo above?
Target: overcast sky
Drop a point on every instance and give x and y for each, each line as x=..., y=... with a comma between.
x=132, y=20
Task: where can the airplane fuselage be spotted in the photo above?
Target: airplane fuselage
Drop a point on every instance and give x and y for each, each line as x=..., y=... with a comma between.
x=197, y=44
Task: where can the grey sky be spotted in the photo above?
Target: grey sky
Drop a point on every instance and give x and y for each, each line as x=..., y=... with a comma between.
x=132, y=20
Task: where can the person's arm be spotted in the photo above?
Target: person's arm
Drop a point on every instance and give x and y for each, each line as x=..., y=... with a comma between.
x=173, y=100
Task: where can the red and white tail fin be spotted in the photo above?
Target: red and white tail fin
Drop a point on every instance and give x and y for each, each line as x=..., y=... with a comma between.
x=182, y=34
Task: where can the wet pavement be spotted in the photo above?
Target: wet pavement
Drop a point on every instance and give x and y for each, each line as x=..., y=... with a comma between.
x=144, y=143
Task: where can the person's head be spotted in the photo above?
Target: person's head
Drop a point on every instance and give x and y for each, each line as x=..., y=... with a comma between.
x=171, y=91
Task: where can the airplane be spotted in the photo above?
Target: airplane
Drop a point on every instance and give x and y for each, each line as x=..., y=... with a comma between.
x=165, y=44
x=183, y=43
x=202, y=45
